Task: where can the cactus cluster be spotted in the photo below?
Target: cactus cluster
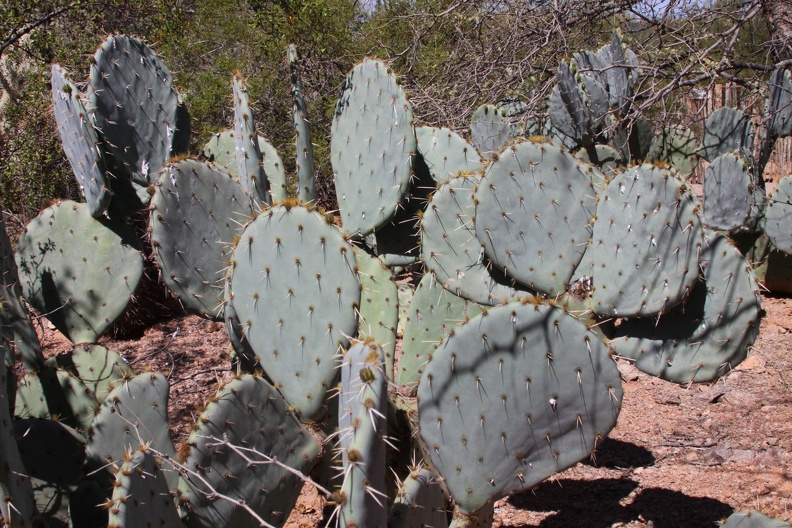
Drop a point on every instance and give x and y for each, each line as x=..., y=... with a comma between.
x=505, y=377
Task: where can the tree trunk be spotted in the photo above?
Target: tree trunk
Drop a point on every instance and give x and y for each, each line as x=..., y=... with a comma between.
x=779, y=20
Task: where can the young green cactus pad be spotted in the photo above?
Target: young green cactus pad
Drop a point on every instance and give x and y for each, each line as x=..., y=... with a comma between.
x=513, y=396
x=446, y=153
x=80, y=142
x=220, y=150
x=620, y=72
x=98, y=368
x=196, y=211
x=534, y=209
x=55, y=393
x=296, y=295
x=379, y=306
x=141, y=496
x=362, y=431
x=79, y=271
x=135, y=106
x=247, y=446
x=644, y=253
x=419, y=502
x=306, y=186
x=706, y=336
x=135, y=413
x=433, y=314
x=727, y=192
x=249, y=167
x=778, y=215
x=450, y=250
x=753, y=519
x=578, y=106
x=17, y=507
x=676, y=146
x=726, y=130
x=490, y=130
x=53, y=455
x=372, y=146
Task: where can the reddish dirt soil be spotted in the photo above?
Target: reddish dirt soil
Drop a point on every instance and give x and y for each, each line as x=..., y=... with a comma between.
x=679, y=456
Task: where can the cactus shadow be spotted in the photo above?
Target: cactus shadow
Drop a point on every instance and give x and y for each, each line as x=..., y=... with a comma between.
x=670, y=509
x=619, y=454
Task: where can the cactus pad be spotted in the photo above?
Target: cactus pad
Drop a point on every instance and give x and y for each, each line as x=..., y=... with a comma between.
x=676, y=146
x=779, y=215
x=727, y=130
x=419, y=502
x=296, y=295
x=372, y=146
x=512, y=397
x=80, y=271
x=247, y=154
x=446, y=153
x=490, y=130
x=141, y=496
x=727, y=192
x=55, y=393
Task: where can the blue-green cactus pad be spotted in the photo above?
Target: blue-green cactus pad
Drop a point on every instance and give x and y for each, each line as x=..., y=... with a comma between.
x=135, y=106
x=97, y=367
x=514, y=396
x=753, y=519
x=727, y=130
x=79, y=271
x=490, y=130
x=727, y=192
x=251, y=415
x=778, y=217
x=372, y=146
x=247, y=154
x=19, y=329
x=433, y=314
x=196, y=211
x=450, y=250
x=141, y=496
x=779, y=103
x=80, y=142
x=296, y=295
x=446, y=153
x=643, y=258
x=419, y=502
x=676, y=146
x=706, y=336
x=534, y=209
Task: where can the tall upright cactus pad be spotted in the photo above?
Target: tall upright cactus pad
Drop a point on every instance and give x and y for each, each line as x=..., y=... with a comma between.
x=362, y=431
x=620, y=73
x=16, y=507
x=778, y=217
x=643, y=258
x=534, y=209
x=220, y=150
x=710, y=333
x=264, y=438
x=434, y=313
x=379, y=306
x=135, y=106
x=372, y=146
x=446, y=153
x=727, y=192
x=247, y=154
x=141, y=496
x=726, y=130
x=80, y=142
x=450, y=250
x=79, y=271
x=578, y=106
x=306, y=186
x=196, y=211
x=134, y=414
x=490, y=130
x=514, y=396
x=779, y=103
x=419, y=502
x=677, y=147
x=296, y=295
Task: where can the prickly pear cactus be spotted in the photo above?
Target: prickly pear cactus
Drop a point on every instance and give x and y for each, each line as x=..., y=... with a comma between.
x=8, y=269
x=141, y=496
x=249, y=161
x=296, y=295
x=534, y=209
x=220, y=150
x=753, y=519
x=80, y=142
x=727, y=192
x=136, y=107
x=727, y=130
x=778, y=214
x=490, y=130
x=513, y=396
x=362, y=431
x=55, y=393
x=20, y=331
x=98, y=368
x=306, y=186
x=79, y=271
x=677, y=147
x=419, y=502
x=446, y=153
x=643, y=258
x=706, y=336
x=241, y=448
x=196, y=211
x=372, y=146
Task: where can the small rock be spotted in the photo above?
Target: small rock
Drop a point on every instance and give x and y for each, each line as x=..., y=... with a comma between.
x=628, y=372
x=754, y=362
